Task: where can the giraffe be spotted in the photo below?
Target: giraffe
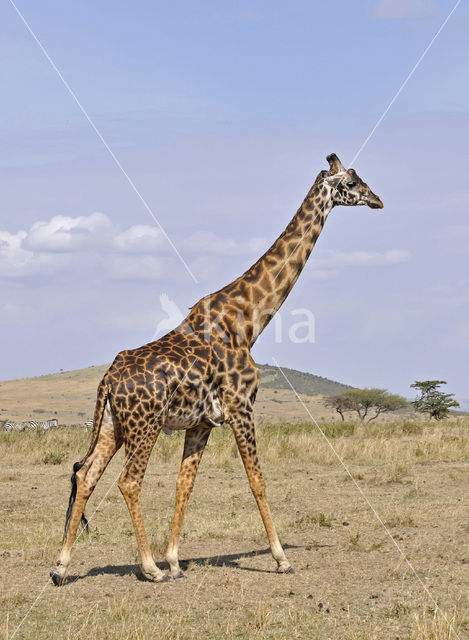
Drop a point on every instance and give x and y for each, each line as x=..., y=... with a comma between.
x=201, y=375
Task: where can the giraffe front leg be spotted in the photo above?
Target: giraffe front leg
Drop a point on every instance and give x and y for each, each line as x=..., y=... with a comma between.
x=244, y=431
x=194, y=445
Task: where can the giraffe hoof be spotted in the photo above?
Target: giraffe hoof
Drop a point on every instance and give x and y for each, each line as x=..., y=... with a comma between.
x=57, y=579
x=151, y=577
x=285, y=570
x=178, y=575
x=165, y=578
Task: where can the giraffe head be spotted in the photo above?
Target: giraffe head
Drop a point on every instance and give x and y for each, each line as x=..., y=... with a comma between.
x=348, y=188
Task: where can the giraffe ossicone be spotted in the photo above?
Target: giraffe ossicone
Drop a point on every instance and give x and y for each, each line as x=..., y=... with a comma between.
x=200, y=375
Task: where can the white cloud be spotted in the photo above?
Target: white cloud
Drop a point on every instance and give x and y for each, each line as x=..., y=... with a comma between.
x=66, y=242
x=15, y=261
x=396, y=9
x=12, y=255
x=336, y=259
x=64, y=233
x=11, y=241
x=136, y=252
x=141, y=252
x=139, y=239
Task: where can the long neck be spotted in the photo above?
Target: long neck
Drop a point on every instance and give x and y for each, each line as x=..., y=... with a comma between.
x=242, y=309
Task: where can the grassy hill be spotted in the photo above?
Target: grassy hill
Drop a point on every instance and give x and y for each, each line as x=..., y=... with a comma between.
x=307, y=383
x=70, y=396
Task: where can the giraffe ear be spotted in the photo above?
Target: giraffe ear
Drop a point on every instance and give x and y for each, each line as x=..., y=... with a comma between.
x=335, y=164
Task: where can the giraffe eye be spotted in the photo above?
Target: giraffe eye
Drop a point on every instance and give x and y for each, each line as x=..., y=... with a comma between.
x=351, y=184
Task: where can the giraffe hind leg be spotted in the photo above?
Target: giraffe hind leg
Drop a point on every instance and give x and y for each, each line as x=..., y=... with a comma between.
x=84, y=480
x=71, y=501
x=137, y=454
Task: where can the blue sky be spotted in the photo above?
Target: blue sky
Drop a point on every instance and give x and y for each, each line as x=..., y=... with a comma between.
x=222, y=115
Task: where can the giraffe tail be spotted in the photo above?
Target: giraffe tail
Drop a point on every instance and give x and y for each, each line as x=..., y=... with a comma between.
x=102, y=395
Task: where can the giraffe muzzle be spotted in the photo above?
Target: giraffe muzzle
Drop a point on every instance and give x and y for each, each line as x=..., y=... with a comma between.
x=374, y=202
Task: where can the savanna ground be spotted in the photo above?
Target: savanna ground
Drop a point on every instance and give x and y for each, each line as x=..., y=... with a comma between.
x=351, y=582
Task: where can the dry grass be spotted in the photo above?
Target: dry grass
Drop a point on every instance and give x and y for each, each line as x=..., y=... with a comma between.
x=392, y=446
x=350, y=581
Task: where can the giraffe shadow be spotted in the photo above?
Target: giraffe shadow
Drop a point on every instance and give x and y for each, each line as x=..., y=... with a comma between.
x=231, y=560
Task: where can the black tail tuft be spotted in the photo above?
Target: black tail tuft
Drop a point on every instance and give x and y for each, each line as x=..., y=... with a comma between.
x=71, y=501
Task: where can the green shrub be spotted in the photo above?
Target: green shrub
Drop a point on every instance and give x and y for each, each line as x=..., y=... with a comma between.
x=412, y=427
x=314, y=519
x=338, y=429
x=54, y=457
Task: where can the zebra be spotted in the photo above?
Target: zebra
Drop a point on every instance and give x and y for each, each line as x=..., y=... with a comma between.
x=15, y=426
x=12, y=426
x=49, y=424
x=30, y=424
x=89, y=424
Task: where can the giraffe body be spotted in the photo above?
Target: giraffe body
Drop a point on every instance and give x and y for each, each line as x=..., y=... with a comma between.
x=201, y=375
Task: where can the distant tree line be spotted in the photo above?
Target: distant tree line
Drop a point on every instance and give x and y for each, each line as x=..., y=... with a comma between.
x=433, y=401
x=368, y=404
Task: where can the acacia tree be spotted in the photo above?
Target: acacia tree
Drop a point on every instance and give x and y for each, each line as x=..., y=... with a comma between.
x=340, y=404
x=433, y=401
x=377, y=401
